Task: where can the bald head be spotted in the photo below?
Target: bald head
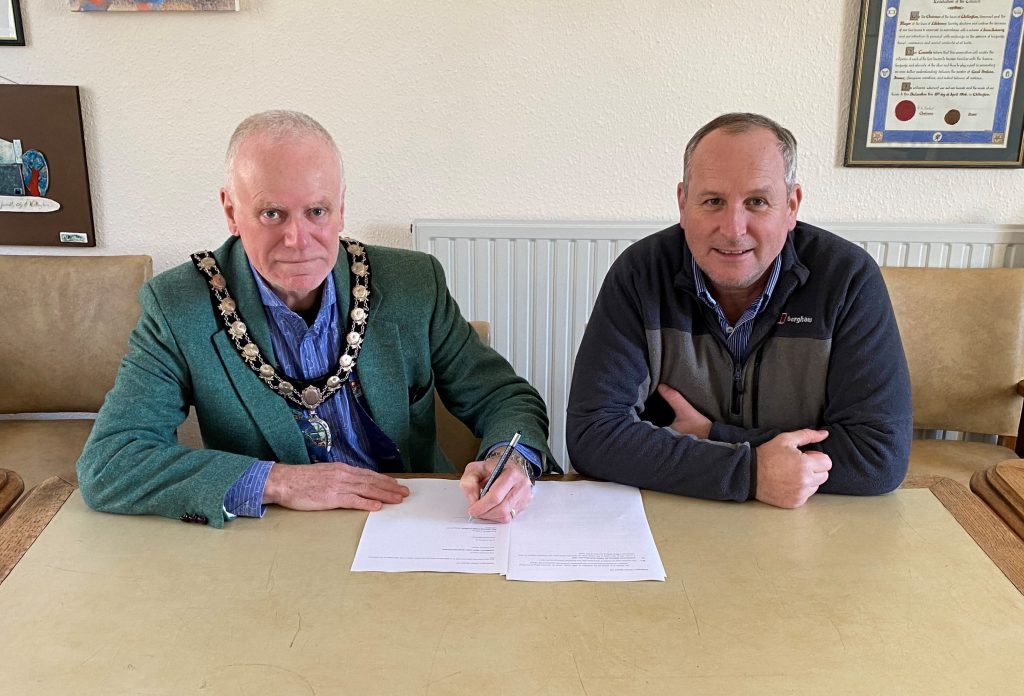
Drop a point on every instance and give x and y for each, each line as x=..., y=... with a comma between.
x=276, y=126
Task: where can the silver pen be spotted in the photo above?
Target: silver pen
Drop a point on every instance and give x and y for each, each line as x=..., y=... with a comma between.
x=509, y=449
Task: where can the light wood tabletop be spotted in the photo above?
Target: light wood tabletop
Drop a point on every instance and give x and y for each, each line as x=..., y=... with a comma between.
x=916, y=592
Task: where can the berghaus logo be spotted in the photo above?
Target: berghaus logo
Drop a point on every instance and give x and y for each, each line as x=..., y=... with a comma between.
x=784, y=318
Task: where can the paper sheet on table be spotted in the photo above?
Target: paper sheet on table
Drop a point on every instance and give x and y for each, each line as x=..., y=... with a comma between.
x=430, y=531
x=579, y=530
x=583, y=530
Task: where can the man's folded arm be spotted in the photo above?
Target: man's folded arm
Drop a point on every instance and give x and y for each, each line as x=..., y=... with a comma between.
x=604, y=434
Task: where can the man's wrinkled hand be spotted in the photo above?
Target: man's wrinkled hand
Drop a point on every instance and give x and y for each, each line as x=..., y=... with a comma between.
x=508, y=496
x=330, y=485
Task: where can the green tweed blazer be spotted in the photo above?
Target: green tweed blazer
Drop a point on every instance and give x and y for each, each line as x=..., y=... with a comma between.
x=180, y=355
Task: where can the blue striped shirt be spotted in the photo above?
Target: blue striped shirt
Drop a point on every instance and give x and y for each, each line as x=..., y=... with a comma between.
x=737, y=335
x=306, y=352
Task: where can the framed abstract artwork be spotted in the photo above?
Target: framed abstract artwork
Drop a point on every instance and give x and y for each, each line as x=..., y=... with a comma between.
x=154, y=5
x=44, y=184
x=11, y=32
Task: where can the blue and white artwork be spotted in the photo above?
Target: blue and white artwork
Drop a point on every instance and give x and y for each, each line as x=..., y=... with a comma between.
x=24, y=180
x=154, y=5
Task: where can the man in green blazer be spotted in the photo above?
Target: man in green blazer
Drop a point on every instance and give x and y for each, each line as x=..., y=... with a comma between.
x=312, y=362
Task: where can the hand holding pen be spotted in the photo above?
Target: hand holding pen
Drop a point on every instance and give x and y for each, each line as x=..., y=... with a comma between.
x=509, y=449
x=497, y=491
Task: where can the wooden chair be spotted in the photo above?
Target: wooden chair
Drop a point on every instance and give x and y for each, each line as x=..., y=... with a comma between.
x=26, y=521
x=963, y=332
x=1002, y=487
x=11, y=487
x=66, y=322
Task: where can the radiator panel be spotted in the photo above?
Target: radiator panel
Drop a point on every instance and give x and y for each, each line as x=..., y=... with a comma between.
x=535, y=282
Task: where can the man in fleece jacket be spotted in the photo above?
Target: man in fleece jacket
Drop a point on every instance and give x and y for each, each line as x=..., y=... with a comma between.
x=742, y=354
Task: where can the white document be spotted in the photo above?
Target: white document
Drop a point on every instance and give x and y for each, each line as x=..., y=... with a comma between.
x=578, y=530
x=430, y=531
x=583, y=530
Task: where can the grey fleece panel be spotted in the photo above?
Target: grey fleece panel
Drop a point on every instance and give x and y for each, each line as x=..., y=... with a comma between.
x=701, y=369
x=797, y=371
x=654, y=377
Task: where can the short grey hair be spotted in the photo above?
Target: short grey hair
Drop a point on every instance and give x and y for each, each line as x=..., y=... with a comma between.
x=277, y=123
x=740, y=122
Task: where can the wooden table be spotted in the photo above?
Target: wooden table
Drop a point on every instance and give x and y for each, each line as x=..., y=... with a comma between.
x=885, y=595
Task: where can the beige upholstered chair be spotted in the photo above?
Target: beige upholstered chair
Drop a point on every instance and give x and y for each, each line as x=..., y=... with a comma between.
x=456, y=440
x=963, y=332
x=66, y=321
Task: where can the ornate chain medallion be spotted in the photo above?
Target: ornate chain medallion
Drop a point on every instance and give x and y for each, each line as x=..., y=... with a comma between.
x=307, y=395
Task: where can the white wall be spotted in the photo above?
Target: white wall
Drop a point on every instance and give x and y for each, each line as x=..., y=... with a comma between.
x=463, y=108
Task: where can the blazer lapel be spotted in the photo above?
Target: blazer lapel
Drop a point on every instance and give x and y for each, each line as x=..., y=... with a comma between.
x=268, y=409
x=380, y=365
x=381, y=375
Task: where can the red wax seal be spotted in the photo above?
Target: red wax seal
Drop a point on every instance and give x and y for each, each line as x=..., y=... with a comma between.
x=905, y=110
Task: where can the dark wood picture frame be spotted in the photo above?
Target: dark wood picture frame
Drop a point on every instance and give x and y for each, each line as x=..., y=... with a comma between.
x=42, y=145
x=17, y=35
x=863, y=123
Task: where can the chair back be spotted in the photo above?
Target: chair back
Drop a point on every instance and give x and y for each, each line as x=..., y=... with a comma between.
x=66, y=321
x=963, y=333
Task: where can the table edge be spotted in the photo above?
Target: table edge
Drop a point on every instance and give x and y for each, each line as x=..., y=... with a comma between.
x=1006, y=550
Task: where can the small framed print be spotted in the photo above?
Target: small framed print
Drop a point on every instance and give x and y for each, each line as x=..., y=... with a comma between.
x=154, y=5
x=11, y=32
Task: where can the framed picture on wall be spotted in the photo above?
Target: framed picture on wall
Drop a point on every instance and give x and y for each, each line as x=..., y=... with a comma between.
x=11, y=32
x=154, y=5
x=44, y=183
x=938, y=84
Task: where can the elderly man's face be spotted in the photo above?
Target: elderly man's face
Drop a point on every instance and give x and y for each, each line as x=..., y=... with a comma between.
x=736, y=212
x=286, y=203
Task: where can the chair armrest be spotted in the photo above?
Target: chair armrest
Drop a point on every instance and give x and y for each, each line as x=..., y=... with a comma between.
x=11, y=487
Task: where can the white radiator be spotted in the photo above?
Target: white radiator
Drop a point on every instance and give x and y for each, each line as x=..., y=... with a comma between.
x=535, y=282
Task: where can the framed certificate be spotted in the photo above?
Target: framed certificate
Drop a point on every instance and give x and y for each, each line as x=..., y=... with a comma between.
x=938, y=84
x=11, y=33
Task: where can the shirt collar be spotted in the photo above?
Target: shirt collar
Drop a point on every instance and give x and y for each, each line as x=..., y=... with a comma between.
x=272, y=302
x=704, y=294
